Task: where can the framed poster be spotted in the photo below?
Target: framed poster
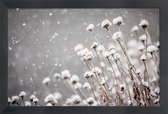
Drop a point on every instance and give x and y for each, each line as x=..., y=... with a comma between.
x=87, y=57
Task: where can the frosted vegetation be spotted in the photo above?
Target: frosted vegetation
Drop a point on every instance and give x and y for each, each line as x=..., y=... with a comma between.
x=123, y=73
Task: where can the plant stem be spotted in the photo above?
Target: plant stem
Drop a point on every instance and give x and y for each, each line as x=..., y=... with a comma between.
x=146, y=77
x=115, y=77
x=93, y=92
x=128, y=90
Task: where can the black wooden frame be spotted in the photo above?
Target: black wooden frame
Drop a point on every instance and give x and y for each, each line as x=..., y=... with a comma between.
x=6, y=4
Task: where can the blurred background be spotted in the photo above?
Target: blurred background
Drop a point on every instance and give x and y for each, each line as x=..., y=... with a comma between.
x=41, y=42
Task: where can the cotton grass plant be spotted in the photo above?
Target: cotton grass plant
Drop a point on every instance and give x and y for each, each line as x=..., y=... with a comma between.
x=113, y=77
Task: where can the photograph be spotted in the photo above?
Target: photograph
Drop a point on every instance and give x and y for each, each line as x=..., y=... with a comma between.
x=84, y=57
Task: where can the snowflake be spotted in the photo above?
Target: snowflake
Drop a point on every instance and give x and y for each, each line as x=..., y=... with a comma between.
x=46, y=56
x=60, y=65
x=17, y=9
x=23, y=24
x=55, y=64
x=58, y=22
x=34, y=64
x=10, y=48
x=50, y=14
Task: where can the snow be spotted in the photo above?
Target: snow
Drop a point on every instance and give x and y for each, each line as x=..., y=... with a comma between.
x=50, y=14
x=117, y=35
x=17, y=9
x=135, y=28
x=65, y=74
x=106, y=23
x=22, y=94
x=143, y=57
x=58, y=22
x=144, y=23
x=46, y=80
x=9, y=48
x=23, y=24
x=152, y=49
x=118, y=20
x=90, y=27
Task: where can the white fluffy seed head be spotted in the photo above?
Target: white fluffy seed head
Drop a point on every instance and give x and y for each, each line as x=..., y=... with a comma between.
x=156, y=100
x=100, y=48
x=138, y=71
x=106, y=24
x=90, y=100
x=84, y=51
x=87, y=86
x=116, y=56
x=50, y=99
x=22, y=94
x=84, y=102
x=57, y=76
x=35, y=100
x=15, y=98
x=57, y=96
x=145, y=83
x=78, y=47
x=97, y=70
x=88, y=74
x=122, y=87
x=151, y=49
x=49, y=104
x=46, y=80
x=158, y=44
x=32, y=97
x=157, y=90
x=111, y=47
x=117, y=35
x=103, y=82
x=65, y=74
x=144, y=24
x=152, y=93
x=90, y=27
x=88, y=56
x=118, y=21
x=74, y=79
x=112, y=51
x=135, y=28
x=94, y=45
x=77, y=85
x=142, y=38
x=76, y=99
x=9, y=100
x=27, y=103
x=141, y=47
x=68, y=101
x=143, y=57
x=106, y=54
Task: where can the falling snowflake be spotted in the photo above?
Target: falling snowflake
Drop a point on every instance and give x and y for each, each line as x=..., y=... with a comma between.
x=50, y=14
x=55, y=64
x=60, y=65
x=9, y=48
x=17, y=9
x=33, y=64
x=84, y=23
x=23, y=24
x=58, y=22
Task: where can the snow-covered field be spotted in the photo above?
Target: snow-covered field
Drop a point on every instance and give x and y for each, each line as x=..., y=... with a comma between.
x=83, y=57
